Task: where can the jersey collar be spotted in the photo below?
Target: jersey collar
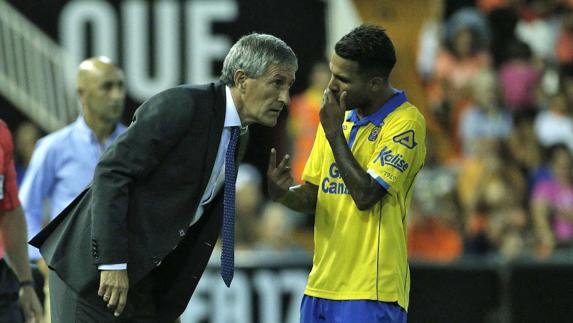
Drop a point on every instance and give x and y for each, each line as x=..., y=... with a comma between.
x=377, y=117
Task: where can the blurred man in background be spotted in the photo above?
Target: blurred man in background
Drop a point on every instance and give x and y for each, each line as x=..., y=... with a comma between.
x=13, y=232
x=369, y=148
x=63, y=162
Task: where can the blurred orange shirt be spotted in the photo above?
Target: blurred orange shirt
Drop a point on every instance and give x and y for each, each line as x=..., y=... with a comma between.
x=303, y=121
x=432, y=240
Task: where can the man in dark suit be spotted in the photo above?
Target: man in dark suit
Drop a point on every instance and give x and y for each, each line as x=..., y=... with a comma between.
x=132, y=247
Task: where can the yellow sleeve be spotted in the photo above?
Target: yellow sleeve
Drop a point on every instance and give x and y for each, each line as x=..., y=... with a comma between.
x=399, y=154
x=313, y=168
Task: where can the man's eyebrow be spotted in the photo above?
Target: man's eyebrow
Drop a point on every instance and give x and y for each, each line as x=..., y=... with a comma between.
x=340, y=77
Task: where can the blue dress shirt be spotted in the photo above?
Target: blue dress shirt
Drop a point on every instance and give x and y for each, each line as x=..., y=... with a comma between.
x=62, y=165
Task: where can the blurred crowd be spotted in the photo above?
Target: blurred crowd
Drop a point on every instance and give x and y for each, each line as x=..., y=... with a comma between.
x=498, y=80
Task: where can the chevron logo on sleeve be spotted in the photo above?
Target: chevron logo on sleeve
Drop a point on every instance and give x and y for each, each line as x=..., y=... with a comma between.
x=406, y=138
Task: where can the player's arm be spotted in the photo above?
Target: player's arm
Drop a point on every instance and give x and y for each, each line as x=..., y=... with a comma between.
x=365, y=191
x=13, y=229
x=301, y=198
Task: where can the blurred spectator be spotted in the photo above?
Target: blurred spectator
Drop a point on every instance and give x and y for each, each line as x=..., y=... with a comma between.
x=484, y=119
x=507, y=230
x=431, y=37
x=502, y=17
x=490, y=185
x=249, y=199
x=489, y=5
x=463, y=57
x=433, y=230
x=523, y=145
x=25, y=138
x=552, y=204
x=304, y=117
x=472, y=19
x=564, y=43
x=555, y=125
x=276, y=228
x=538, y=28
x=519, y=78
x=566, y=82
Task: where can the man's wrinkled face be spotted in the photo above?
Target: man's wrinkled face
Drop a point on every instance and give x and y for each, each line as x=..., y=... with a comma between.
x=266, y=96
x=346, y=77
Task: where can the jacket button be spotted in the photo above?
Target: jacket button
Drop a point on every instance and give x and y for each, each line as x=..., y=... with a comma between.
x=157, y=263
x=181, y=232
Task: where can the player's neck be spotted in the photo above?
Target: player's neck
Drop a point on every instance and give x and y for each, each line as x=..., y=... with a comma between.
x=377, y=101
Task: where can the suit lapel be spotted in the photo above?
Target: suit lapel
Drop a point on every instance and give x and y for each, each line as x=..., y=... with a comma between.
x=215, y=130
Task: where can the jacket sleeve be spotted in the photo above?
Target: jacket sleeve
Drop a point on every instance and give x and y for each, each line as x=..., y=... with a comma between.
x=158, y=125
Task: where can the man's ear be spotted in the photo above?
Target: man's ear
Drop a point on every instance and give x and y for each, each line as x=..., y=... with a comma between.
x=240, y=79
x=81, y=91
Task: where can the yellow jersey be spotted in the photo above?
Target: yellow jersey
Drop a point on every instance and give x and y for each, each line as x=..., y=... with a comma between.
x=362, y=254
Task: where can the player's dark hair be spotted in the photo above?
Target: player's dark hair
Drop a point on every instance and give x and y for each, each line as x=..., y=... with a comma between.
x=370, y=47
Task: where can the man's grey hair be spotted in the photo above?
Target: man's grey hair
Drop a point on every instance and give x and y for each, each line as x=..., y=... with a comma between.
x=254, y=53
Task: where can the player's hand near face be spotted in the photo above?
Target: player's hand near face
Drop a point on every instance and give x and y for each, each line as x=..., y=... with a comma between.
x=279, y=178
x=332, y=113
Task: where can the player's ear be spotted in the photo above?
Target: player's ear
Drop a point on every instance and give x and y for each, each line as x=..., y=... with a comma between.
x=376, y=83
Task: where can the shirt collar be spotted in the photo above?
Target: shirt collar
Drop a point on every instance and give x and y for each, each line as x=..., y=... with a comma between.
x=231, y=115
x=377, y=117
x=84, y=132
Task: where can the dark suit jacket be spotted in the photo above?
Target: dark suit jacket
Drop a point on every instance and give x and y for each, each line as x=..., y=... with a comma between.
x=146, y=188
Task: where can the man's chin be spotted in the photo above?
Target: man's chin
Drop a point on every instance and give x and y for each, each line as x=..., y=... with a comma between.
x=269, y=122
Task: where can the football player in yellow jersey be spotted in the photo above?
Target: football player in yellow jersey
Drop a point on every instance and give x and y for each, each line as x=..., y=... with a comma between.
x=368, y=149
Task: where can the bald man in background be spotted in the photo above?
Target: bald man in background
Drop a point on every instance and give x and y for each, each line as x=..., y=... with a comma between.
x=64, y=161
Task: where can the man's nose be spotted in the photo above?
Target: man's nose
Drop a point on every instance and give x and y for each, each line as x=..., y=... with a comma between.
x=333, y=85
x=284, y=97
x=117, y=93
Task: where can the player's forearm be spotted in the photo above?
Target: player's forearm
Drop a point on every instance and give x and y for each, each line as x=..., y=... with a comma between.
x=301, y=198
x=360, y=185
x=13, y=228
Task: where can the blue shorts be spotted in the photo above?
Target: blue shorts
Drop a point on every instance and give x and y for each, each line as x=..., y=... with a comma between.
x=315, y=309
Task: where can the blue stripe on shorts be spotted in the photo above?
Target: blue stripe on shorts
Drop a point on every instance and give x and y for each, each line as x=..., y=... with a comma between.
x=313, y=310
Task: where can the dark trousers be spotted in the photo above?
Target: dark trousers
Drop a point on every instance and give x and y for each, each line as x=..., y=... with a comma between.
x=9, y=288
x=69, y=307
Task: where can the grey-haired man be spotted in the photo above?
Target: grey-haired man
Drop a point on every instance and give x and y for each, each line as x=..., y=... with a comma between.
x=136, y=242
